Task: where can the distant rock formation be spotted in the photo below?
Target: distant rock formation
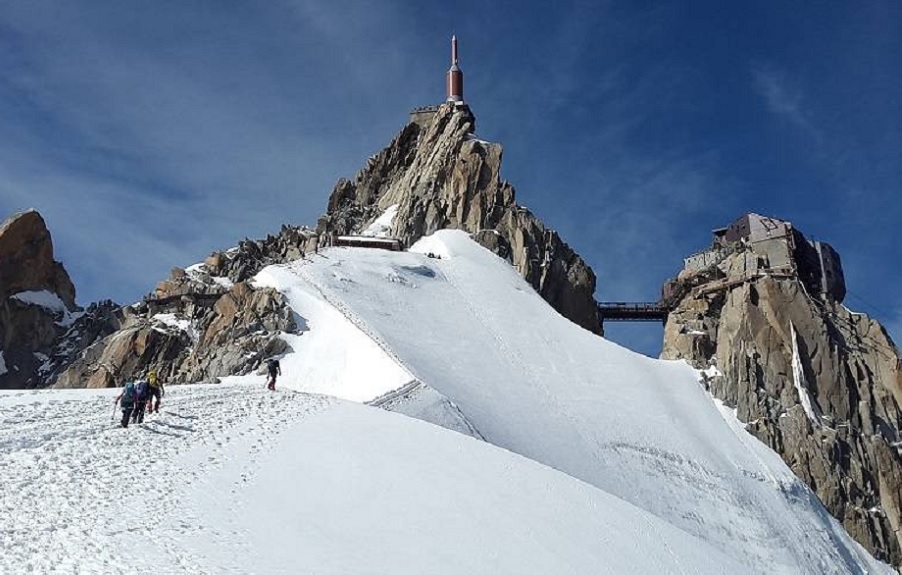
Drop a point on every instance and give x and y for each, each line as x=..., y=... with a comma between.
x=26, y=259
x=207, y=322
x=40, y=325
x=762, y=312
x=201, y=323
x=440, y=176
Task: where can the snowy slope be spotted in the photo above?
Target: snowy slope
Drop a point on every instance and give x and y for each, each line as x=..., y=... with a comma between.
x=331, y=355
x=594, y=459
x=236, y=479
x=527, y=380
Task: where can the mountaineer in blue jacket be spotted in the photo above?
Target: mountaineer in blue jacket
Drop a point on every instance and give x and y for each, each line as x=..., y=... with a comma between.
x=126, y=401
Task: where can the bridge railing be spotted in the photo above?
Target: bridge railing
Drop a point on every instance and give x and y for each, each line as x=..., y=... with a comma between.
x=631, y=311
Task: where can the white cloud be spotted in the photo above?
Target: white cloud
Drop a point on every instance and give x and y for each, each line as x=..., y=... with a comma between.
x=145, y=156
x=783, y=97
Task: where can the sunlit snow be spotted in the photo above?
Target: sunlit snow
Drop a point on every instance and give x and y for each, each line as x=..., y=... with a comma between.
x=574, y=455
x=381, y=227
x=49, y=301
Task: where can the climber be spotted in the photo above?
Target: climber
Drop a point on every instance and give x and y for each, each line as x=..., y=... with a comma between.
x=272, y=365
x=142, y=396
x=156, y=391
x=126, y=401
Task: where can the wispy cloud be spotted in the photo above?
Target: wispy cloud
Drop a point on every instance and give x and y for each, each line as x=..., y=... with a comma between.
x=151, y=133
x=782, y=96
x=146, y=152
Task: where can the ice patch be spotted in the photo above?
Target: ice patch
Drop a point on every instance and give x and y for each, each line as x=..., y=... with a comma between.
x=712, y=371
x=49, y=301
x=45, y=361
x=172, y=320
x=200, y=273
x=223, y=282
x=474, y=138
x=432, y=245
x=381, y=228
x=798, y=378
x=853, y=312
x=43, y=298
x=2, y=364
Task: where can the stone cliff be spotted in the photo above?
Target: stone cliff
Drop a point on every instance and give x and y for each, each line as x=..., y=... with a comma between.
x=762, y=312
x=201, y=323
x=438, y=175
x=40, y=325
x=206, y=321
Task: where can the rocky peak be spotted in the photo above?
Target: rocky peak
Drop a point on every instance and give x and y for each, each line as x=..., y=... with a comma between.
x=761, y=312
x=37, y=304
x=440, y=175
x=202, y=322
x=26, y=259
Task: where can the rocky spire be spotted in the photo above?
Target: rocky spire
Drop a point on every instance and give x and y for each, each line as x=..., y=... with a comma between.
x=441, y=176
x=821, y=385
x=26, y=259
x=40, y=325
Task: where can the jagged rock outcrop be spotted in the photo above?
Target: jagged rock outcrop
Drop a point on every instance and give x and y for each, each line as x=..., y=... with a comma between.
x=201, y=323
x=26, y=259
x=439, y=175
x=41, y=327
x=206, y=321
x=819, y=384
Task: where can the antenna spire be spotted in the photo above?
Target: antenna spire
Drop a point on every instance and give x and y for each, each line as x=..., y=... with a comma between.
x=455, y=76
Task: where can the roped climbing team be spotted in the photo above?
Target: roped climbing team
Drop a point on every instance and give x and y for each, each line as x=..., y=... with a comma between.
x=137, y=397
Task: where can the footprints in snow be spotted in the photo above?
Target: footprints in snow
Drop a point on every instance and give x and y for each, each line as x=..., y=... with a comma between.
x=79, y=487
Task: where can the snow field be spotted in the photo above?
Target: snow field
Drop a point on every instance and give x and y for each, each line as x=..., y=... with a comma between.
x=237, y=479
x=526, y=379
x=330, y=355
x=81, y=494
x=359, y=490
x=594, y=459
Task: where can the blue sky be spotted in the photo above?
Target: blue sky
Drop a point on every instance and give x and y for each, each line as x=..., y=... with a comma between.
x=149, y=134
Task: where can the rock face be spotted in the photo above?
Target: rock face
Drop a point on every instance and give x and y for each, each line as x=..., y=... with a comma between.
x=201, y=323
x=40, y=325
x=26, y=259
x=440, y=176
x=819, y=384
x=207, y=321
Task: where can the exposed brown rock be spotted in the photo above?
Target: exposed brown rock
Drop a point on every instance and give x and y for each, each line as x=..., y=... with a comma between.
x=440, y=176
x=30, y=333
x=194, y=327
x=26, y=259
x=819, y=384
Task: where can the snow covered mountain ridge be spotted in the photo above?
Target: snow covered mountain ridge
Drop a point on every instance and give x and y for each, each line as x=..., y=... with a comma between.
x=611, y=462
x=436, y=174
x=622, y=463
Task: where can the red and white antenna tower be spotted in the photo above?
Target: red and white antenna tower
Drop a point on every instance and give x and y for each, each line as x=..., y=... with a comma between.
x=455, y=76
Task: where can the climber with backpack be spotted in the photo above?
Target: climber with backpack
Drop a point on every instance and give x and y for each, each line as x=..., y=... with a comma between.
x=272, y=366
x=126, y=402
x=142, y=395
x=156, y=391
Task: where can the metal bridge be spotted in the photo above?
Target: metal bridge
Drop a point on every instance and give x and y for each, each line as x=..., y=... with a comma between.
x=631, y=311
